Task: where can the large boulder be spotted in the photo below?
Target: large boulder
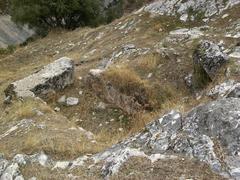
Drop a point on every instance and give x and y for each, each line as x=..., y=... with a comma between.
x=55, y=76
x=210, y=57
x=207, y=60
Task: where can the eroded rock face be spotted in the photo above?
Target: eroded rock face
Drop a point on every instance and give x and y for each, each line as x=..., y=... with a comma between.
x=209, y=133
x=55, y=76
x=191, y=9
x=209, y=57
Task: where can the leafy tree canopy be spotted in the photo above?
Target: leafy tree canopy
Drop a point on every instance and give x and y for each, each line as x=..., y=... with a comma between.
x=56, y=13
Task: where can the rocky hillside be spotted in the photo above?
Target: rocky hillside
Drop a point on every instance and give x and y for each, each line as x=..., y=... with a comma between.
x=153, y=95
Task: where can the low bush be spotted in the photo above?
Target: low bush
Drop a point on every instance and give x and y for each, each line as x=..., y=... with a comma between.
x=10, y=49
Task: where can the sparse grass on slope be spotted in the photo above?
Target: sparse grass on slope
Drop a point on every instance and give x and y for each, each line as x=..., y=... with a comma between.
x=160, y=73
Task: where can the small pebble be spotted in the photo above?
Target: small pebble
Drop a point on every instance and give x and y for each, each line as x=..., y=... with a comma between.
x=111, y=120
x=150, y=75
x=57, y=109
x=120, y=129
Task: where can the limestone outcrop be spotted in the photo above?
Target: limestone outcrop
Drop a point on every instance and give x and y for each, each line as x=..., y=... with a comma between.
x=191, y=9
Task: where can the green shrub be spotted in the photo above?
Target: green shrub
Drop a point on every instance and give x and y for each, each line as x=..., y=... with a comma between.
x=10, y=49
x=67, y=14
x=114, y=11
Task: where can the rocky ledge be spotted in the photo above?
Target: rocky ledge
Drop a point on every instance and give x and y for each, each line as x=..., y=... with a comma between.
x=209, y=133
x=191, y=9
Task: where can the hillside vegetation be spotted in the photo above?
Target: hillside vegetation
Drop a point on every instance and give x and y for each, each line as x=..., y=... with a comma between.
x=112, y=120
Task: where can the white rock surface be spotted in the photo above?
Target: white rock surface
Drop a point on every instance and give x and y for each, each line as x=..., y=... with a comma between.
x=61, y=165
x=199, y=8
x=11, y=172
x=187, y=33
x=96, y=72
x=72, y=101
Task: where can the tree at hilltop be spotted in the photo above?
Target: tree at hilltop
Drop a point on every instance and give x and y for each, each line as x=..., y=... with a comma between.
x=67, y=14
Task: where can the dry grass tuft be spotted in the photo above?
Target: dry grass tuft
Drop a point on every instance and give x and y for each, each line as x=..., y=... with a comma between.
x=62, y=144
x=67, y=144
x=160, y=93
x=148, y=62
x=27, y=108
x=125, y=79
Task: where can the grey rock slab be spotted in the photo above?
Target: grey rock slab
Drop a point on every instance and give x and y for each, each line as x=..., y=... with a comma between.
x=193, y=135
x=55, y=76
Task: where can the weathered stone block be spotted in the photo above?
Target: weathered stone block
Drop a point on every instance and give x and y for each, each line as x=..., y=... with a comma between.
x=55, y=76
